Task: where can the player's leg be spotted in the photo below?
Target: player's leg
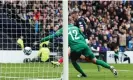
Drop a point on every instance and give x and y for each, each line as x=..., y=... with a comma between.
x=100, y=58
x=74, y=56
x=105, y=65
x=91, y=56
x=116, y=58
x=122, y=49
x=126, y=58
x=60, y=60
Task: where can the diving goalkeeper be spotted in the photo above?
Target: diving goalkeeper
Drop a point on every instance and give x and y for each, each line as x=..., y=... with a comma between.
x=78, y=46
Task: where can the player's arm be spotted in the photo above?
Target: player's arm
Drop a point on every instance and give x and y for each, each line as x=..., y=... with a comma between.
x=58, y=33
x=82, y=33
x=87, y=41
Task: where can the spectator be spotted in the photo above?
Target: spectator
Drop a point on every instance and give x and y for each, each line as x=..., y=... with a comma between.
x=130, y=44
x=129, y=36
x=122, y=41
x=102, y=51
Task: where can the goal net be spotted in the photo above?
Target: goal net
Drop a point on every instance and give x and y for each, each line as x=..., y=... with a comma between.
x=22, y=24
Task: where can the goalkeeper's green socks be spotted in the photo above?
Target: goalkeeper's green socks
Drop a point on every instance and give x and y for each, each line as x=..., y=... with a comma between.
x=103, y=64
x=77, y=67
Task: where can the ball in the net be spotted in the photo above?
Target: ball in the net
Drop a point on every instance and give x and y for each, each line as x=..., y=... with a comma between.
x=27, y=50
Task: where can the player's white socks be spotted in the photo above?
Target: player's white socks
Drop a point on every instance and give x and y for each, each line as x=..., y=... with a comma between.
x=113, y=70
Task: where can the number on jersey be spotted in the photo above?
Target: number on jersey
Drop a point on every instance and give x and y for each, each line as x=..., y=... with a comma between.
x=73, y=34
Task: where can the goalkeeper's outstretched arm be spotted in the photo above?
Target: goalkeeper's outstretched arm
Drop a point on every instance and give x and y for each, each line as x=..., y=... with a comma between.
x=58, y=33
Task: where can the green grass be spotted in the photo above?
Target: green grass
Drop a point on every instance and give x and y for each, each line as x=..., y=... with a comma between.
x=104, y=74
x=29, y=71
x=46, y=70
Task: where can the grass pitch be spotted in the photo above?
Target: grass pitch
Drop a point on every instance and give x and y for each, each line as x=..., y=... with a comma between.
x=29, y=71
x=33, y=71
x=125, y=72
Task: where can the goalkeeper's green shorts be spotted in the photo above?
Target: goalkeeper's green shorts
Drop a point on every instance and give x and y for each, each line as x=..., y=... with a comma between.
x=81, y=49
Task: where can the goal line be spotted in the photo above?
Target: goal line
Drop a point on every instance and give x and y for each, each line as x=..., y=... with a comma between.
x=23, y=78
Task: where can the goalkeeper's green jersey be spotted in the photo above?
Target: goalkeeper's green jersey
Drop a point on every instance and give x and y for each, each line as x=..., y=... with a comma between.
x=58, y=33
x=75, y=36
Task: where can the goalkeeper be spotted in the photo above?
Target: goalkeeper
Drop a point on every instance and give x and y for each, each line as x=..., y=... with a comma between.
x=79, y=47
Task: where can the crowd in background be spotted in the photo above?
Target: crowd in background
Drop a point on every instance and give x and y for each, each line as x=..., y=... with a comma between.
x=31, y=20
x=106, y=22
x=41, y=14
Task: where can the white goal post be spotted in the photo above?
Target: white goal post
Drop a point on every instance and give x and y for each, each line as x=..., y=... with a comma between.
x=65, y=39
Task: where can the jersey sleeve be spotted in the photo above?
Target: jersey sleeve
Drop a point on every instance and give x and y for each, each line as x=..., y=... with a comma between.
x=58, y=33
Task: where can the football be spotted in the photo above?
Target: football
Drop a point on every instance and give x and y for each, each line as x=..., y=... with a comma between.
x=27, y=50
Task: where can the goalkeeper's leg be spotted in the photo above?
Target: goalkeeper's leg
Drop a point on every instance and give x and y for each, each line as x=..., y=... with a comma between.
x=89, y=54
x=103, y=64
x=74, y=56
x=78, y=68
